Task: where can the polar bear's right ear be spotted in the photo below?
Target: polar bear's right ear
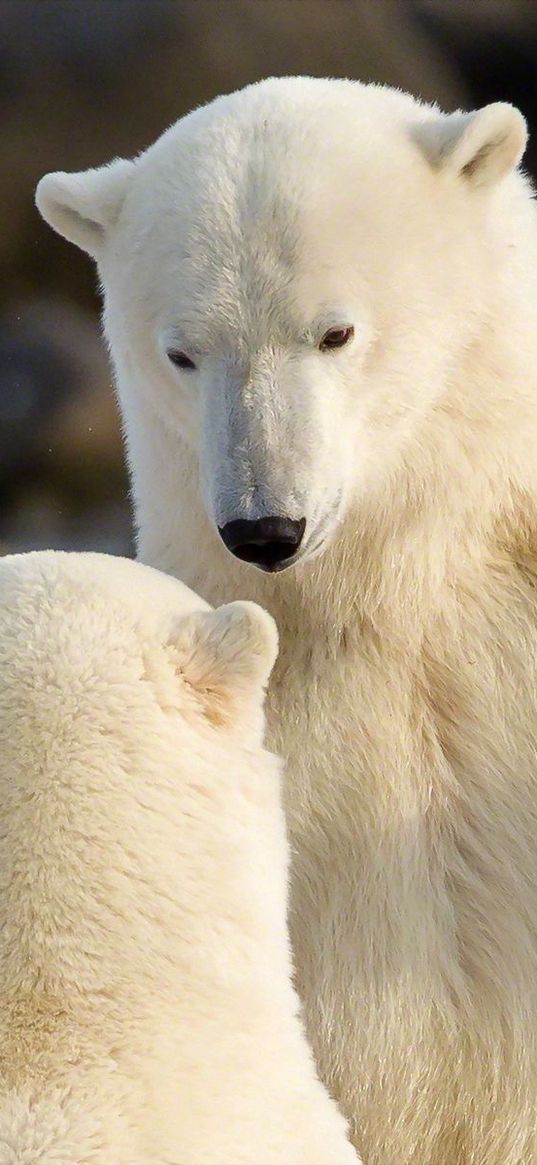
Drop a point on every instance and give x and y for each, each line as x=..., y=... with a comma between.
x=225, y=657
x=481, y=147
x=82, y=207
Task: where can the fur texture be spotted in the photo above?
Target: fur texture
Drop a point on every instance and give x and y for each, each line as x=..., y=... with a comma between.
x=404, y=699
x=147, y=1013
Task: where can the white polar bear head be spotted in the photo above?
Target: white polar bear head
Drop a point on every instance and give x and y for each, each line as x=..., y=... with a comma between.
x=291, y=274
x=113, y=617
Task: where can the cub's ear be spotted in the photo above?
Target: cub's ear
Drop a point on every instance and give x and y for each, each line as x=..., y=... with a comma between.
x=226, y=657
x=482, y=147
x=83, y=206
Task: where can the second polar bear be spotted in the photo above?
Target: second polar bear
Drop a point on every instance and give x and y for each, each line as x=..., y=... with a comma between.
x=147, y=1012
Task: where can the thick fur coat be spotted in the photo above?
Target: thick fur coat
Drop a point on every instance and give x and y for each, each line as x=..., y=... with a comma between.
x=404, y=699
x=147, y=1014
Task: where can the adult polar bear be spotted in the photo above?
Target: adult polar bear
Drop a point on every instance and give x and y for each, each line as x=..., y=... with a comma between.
x=321, y=302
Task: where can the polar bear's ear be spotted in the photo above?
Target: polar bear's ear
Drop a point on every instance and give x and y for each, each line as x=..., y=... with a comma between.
x=226, y=657
x=83, y=206
x=482, y=147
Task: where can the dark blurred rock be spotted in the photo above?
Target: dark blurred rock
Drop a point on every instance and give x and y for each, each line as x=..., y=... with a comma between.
x=62, y=475
x=34, y=380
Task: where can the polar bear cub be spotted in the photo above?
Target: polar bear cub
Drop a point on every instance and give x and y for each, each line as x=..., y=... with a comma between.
x=147, y=1008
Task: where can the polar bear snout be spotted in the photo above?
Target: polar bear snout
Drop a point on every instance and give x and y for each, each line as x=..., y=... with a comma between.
x=270, y=543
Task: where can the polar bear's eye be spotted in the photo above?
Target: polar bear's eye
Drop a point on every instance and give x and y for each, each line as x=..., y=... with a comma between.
x=180, y=359
x=336, y=338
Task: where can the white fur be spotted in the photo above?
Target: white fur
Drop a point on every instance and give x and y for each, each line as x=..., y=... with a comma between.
x=404, y=695
x=147, y=1009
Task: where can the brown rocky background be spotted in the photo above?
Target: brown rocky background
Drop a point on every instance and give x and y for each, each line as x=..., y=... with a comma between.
x=82, y=81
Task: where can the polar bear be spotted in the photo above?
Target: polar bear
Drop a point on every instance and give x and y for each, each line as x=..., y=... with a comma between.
x=147, y=1007
x=321, y=302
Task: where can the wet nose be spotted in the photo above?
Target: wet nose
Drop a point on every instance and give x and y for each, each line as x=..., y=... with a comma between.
x=269, y=543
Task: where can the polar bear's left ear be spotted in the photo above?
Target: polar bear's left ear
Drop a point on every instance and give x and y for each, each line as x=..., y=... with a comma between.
x=482, y=147
x=82, y=207
x=226, y=657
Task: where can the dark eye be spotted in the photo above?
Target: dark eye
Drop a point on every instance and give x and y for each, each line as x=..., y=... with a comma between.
x=180, y=359
x=336, y=338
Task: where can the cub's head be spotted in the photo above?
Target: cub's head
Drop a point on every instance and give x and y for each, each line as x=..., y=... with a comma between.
x=98, y=645
x=291, y=275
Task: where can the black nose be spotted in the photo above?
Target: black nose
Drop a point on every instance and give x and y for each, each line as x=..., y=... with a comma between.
x=270, y=543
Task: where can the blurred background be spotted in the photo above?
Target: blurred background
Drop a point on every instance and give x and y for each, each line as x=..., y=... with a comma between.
x=82, y=81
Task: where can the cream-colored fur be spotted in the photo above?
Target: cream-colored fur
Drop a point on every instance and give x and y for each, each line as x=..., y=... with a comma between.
x=147, y=1015
x=404, y=698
